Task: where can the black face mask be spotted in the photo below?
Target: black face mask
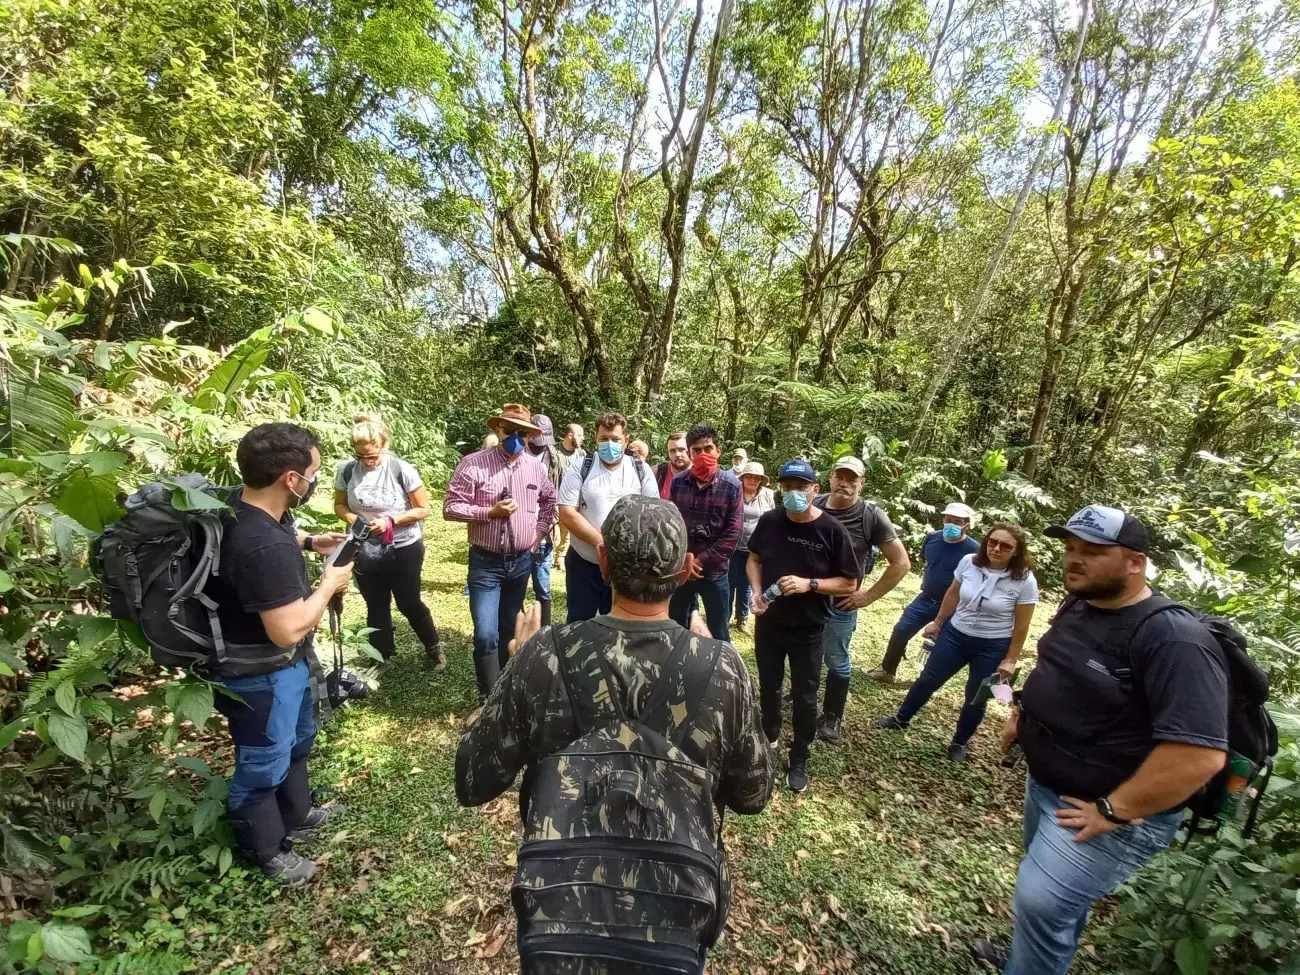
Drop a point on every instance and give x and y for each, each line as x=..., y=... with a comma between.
x=300, y=499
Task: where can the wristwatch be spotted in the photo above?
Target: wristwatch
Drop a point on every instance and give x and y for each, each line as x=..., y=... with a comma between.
x=813, y=585
x=308, y=543
x=1108, y=811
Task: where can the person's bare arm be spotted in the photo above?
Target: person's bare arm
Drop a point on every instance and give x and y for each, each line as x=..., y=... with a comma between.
x=341, y=507
x=946, y=608
x=831, y=586
x=1019, y=631
x=579, y=526
x=287, y=625
x=419, y=510
x=754, y=573
x=899, y=565
x=1172, y=772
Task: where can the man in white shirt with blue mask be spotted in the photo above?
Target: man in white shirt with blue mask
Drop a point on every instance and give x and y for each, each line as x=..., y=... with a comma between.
x=587, y=494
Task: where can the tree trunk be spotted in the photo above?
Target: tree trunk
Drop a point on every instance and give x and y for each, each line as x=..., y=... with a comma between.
x=1056, y=340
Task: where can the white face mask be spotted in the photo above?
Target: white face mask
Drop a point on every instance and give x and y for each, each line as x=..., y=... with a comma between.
x=737, y=467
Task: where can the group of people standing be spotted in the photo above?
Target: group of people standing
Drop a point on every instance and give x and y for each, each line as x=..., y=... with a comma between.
x=1124, y=717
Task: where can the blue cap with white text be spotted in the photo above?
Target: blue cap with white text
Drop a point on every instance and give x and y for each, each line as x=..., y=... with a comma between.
x=798, y=469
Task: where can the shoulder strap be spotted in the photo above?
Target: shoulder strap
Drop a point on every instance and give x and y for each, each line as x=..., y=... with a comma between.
x=697, y=677
x=586, y=713
x=1154, y=606
x=640, y=469
x=587, y=463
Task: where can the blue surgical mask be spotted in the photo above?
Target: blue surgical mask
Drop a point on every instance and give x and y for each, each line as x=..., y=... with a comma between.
x=513, y=444
x=795, y=501
x=951, y=532
x=610, y=451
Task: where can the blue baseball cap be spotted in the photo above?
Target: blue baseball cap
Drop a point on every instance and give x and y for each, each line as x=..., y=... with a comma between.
x=798, y=468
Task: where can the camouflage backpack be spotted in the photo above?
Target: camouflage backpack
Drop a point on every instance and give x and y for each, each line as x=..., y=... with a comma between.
x=621, y=863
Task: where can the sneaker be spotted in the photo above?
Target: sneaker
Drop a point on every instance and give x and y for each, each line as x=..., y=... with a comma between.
x=891, y=722
x=436, y=659
x=797, y=776
x=830, y=728
x=880, y=676
x=959, y=753
x=994, y=956
x=314, y=820
x=289, y=869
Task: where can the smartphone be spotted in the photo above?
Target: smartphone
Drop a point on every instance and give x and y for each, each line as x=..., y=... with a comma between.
x=351, y=544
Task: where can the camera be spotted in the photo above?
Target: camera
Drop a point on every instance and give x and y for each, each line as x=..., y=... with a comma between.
x=701, y=533
x=342, y=686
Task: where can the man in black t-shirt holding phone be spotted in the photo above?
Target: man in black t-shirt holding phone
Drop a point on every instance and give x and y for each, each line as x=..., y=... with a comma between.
x=264, y=598
x=810, y=557
x=1123, y=719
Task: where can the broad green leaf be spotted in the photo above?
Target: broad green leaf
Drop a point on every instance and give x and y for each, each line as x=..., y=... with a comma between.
x=103, y=356
x=94, y=630
x=224, y=861
x=12, y=730
x=69, y=733
x=1192, y=956
x=66, y=942
x=188, y=499
x=79, y=910
x=65, y=696
x=35, y=948
x=206, y=813
x=102, y=462
x=157, y=804
x=193, y=702
x=88, y=500
x=6, y=581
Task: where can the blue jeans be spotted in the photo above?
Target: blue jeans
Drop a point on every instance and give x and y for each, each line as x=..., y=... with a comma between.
x=739, y=582
x=920, y=612
x=1059, y=879
x=589, y=594
x=836, y=638
x=714, y=594
x=271, y=727
x=497, y=586
x=953, y=651
x=542, y=571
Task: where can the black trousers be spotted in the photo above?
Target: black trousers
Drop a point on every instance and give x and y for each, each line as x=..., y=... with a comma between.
x=396, y=578
x=803, y=646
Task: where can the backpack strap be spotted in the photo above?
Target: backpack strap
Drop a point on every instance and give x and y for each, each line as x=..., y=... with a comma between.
x=696, y=671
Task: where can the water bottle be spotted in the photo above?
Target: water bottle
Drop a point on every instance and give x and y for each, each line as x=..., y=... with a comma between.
x=772, y=591
x=926, y=646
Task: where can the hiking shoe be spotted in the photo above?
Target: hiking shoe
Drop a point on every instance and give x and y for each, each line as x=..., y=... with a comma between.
x=289, y=869
x=891, y=722
x=994, y=956
x=830, y=728
x=314, y=820
x=797, y=777
x=435, y=658
x=959, y=753
x=880, y=676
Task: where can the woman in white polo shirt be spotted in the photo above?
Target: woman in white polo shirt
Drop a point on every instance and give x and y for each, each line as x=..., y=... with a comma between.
x=981, y=625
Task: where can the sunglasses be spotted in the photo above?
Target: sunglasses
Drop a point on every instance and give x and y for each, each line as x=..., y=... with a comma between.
x=995, y=545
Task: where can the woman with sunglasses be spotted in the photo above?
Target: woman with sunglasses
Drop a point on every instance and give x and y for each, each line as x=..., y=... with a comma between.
x=982, y=625
x=389, y=495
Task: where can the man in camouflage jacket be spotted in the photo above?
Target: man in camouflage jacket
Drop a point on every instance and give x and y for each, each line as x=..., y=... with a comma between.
x=529, y=714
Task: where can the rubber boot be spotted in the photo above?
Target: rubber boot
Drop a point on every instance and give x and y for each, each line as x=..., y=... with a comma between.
x=293, y=795
x=837, y=692
x=486, y=671
x=546, y=611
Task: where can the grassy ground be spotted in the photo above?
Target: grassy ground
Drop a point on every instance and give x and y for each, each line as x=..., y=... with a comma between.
x=888, y=863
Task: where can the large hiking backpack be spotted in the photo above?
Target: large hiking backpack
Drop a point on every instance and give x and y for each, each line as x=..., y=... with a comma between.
x=1252, y=735
x=155, y=562
x=621, y=860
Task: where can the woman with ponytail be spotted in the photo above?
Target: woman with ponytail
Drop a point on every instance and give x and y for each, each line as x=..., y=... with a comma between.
x=387, y=493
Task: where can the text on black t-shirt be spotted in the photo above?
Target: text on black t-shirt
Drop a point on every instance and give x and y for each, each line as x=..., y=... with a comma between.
x=817, y=549
x=1104, y=694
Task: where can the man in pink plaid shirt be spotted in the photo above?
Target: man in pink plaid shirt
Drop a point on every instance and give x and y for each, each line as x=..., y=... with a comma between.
x=506, y=496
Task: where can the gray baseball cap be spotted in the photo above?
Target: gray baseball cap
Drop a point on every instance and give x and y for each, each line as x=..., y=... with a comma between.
x=645, y=536
x=1102, y=525
x=546, y=436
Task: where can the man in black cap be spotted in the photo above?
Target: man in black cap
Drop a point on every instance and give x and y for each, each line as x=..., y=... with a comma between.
x=542, y=446
x=1123, y=719
x=660, y=685
x=808, y=556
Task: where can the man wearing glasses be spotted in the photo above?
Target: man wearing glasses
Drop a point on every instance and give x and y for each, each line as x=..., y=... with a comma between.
x=506, y=496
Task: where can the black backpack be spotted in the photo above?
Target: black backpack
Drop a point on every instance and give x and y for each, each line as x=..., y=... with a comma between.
x=621, y=860
x=1251, y=731
x=870, y=515
x=589, y=461
x=155, y=562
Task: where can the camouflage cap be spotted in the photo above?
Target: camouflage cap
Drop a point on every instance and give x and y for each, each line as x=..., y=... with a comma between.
x=646, y=536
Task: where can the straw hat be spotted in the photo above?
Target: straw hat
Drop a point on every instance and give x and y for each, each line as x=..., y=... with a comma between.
x=754, y=467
